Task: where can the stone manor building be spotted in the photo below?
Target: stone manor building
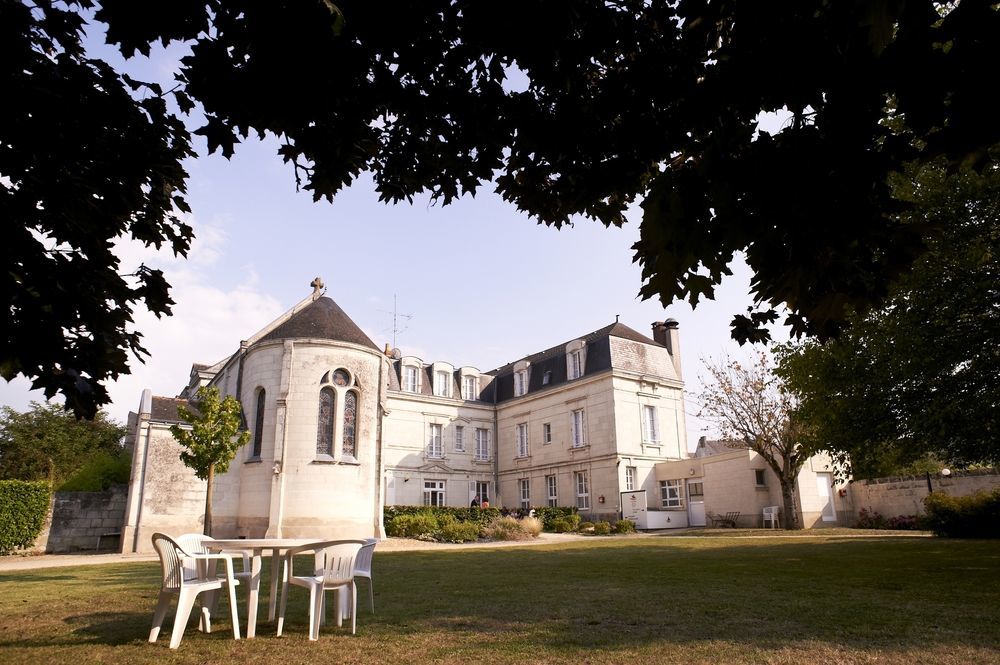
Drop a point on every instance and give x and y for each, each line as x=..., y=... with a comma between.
x=340, y=428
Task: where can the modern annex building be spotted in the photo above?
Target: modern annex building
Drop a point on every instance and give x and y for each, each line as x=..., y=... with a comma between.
x=340, y=428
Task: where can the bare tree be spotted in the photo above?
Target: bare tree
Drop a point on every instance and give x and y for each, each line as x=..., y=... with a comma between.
x=751, y=410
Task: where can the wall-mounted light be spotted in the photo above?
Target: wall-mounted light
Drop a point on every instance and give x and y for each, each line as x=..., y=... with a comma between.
x=600, y=499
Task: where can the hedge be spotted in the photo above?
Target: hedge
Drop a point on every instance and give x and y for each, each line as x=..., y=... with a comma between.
x=482, y=516
x=24, y=506
x=974, y=516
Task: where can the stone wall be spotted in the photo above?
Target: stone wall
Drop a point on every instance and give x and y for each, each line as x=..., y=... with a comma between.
x=79, y=519
x=904, y=495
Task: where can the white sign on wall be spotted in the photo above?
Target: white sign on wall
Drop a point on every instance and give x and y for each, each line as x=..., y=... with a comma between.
x=634, y=506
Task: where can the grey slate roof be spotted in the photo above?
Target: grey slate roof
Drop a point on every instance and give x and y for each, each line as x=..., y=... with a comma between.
x=322, y=319
x=708, y=447
x=164, y=409
x=552, y=361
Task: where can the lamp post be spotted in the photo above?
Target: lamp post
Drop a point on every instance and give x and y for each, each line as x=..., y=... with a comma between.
x=944, y=474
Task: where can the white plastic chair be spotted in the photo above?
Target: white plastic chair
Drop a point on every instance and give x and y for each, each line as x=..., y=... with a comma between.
x=189, y=575
x=363, y=567
x=770, y=515
x=333, y=569
x=194, y=543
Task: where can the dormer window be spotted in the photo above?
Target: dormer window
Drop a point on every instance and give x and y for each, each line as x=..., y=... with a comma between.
x=576, y=359
x=520, y=382
x=470, y=387
x=410, y=379
x=442, y=384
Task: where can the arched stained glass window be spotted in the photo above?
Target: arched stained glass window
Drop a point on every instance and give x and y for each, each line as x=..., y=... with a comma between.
x=258, y=427
x=324, y=433
x=350, y=421
x=341, y=377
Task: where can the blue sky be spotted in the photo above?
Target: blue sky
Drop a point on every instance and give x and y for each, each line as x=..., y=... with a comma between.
x=483, y=284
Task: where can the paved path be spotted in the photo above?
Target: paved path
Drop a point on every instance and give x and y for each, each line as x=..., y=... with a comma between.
x=29, y=562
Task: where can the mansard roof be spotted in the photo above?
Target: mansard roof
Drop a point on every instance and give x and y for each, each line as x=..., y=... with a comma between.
x=321, y=319
x=551, y=363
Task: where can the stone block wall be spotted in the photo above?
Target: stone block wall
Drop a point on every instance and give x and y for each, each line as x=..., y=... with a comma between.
x=80, y=518
x=904, y=495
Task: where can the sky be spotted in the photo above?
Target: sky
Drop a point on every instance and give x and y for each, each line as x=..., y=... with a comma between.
x=474, y=283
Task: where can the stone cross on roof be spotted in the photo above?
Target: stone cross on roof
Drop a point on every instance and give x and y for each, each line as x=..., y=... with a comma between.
x=317, y=285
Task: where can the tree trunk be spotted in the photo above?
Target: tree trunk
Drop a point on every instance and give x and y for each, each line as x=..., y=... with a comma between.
x=788, y=499
x=208, y=500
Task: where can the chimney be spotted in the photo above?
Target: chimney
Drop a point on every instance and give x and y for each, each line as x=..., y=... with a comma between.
x=665, y=333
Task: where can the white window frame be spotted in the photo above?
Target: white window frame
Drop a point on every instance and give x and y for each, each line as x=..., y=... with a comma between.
x=442, y=384
x=411, y=379
x=436, y=488
x=650, y=424
x=630, y=479
x=578, y=426
x=435, y=443
x=672, y=493
x=520, y=383
x=524, y=485
x=546, y=433
x=459, y=438
x=551, y=490
x=482, y=491
x=482, y=444
x=582, y=490
x=575, y=364
x=470, y=387
x=521, y=437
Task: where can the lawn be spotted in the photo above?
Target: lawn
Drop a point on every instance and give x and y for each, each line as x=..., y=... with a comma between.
x=831, y=599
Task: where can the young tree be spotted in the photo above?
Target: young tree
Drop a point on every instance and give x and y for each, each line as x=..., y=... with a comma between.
x=751, y=409
x=212, y=440
x=47, y=443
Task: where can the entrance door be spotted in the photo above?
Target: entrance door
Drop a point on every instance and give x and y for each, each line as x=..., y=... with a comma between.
x=824, y=488
x=696, y=503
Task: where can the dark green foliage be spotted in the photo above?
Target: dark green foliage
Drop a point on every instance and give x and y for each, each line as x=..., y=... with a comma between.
x=917, y=378
x=602, y=528
x=101, y=472
x=570, y=522
x=549, y=514
x=479, y=516
x=566, y=112
x=974, y=516
x=458, y=532
x=624, y=526
x=412, y=525
x=23, y=508
x=46, y=443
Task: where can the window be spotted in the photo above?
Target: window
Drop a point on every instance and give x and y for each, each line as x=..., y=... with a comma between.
x=459, y=439
x=410, y=374
x=546, y=378
x=696, y=492
x=482, y=491
x=258, y=425
x=629, y=478
x=525, y=487
x=547, y=433
x=324, y=433
x=442, y=381
x=582, y=491
x=482, y=444
x=350, y=422
x=470, y=388
x=578, y=429
x=650, y=425
x=520, y=382
x=575, y=365
x=670, y=493
x=550, y=490
x=434, y=493
x=434, y=447
x=522, y=439
x=760, y=477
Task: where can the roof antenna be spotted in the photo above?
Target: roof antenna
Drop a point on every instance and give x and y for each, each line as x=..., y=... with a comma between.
x=395, y=320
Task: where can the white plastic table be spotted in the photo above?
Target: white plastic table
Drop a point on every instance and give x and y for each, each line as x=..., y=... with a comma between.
x=256, y=547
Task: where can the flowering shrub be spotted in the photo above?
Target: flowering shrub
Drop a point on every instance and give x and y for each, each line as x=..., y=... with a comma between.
x=870, y=520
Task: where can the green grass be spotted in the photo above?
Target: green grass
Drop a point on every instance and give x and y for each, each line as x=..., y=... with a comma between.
x=623, y=600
